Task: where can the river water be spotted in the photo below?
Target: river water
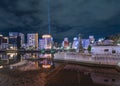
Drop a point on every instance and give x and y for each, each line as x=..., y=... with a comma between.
x=60, y=74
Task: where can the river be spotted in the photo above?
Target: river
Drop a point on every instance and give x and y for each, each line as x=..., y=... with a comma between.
x=41, y=70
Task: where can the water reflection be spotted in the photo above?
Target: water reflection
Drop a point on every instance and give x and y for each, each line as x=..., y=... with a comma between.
x=39, y=60
x=8, y=58
x=109, y=77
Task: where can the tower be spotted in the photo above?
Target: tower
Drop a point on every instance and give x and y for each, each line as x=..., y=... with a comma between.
x=47, y=41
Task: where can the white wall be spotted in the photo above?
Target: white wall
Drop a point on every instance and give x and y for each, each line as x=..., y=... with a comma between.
x=101, y=49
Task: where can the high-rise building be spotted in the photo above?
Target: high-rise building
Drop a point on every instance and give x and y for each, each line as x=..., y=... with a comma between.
x=48, y=41
x=13, y=40
x=32, y=40
x=16, y=39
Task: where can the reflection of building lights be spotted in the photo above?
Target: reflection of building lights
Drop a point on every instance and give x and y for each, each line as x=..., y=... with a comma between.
x=12, y=54
x=33, y=56
x=47, y=55
x=46, y=66
x=1, y=67
x=11, y=47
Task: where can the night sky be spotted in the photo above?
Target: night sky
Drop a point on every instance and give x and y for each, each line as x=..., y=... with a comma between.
x=68, y=17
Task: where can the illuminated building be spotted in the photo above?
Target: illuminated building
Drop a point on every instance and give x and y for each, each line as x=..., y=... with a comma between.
x=32, y=40
x=48, y=40
x=92, y=39
x=85, y=43
x=75, y=43
x=16, y=40
x=65, y=43
x=41, y=43
x=4, y=44
x=13, y=40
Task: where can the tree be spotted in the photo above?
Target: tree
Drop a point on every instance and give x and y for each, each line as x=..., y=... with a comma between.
x=89, y=48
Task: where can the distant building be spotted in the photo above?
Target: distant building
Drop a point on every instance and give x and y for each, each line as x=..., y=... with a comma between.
x=92, y=39
x=48, y=41
x=41, y=43
x=65, y=43
x=16, y=39
x=1, y=38
x=5, y=40
x=108, y=42
x=32, y=40
x=85, y=43
x=105, y=50
x=22, y=39
x=4, y=44
x=75, y=43
x=13, y=38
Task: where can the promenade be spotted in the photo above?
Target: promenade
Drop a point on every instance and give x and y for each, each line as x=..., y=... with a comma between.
x=86, y=59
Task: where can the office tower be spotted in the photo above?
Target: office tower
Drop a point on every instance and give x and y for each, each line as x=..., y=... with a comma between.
x=32, y=40
x=48, y=41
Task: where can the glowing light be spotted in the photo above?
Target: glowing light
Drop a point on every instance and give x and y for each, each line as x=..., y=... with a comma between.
x=1, y=67
x=47, y=55
x=46, y=66
x=46, y=36
x=5, y=37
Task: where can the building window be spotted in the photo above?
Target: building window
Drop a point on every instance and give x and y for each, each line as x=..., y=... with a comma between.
x=113, y=51
x=113, y=80
x=106, y=50
x=106, y=80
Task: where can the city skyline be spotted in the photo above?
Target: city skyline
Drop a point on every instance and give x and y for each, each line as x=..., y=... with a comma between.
x=68, y=18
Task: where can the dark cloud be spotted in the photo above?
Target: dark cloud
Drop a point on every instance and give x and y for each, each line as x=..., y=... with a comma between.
x=68, y=17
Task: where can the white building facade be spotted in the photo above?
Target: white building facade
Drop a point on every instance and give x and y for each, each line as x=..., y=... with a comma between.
x=105, y=50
